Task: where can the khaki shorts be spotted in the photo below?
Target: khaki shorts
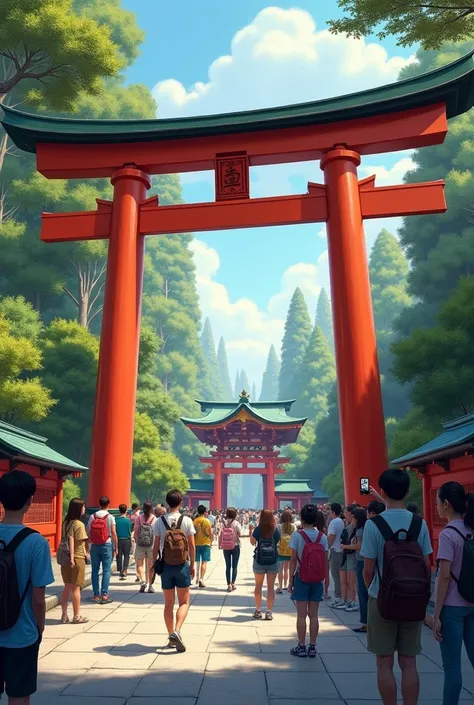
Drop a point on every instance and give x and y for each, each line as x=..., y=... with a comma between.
x=384, y=637
x=142, y=553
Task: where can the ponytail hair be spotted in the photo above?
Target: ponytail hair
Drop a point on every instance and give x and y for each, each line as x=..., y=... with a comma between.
x=461, y=501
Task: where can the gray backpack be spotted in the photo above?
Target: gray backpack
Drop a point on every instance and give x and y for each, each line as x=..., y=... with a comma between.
x=63, y=555
x=145, y=537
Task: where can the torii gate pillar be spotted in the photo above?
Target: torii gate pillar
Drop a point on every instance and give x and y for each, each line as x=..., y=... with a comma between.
x=114, y=413
x=364, y=449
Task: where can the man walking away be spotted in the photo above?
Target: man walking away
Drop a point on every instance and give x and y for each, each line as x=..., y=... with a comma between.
x=174, y=543
x=396, y=545
x=25, y=562
x=123, y=527
x=336, y=556
x=103, y=538
x=203, y=540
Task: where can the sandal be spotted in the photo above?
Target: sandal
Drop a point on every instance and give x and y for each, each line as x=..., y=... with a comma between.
x=279, y=591
x=268, y=616
x=229, y=589
x=65, y=618
x=233, y=587
x=257, y=614
x=80, y=620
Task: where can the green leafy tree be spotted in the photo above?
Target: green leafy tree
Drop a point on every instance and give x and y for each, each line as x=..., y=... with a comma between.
x=23, y=397
x=270, y=377
x=417, y=22
x=316, y=377
x=333, y=484
x=24, y=321
x=295, y=341
x=70, y=355
x=70, y=490
x=324, y=316
x=325, y=453
x=224, y=370
x=438, y=361
x=299, y=451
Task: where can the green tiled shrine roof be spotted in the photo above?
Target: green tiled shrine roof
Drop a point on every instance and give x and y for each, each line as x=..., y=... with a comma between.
x=291, y=485
x=456, y=433
x=270, y=412
x=452, y=84
x=16, y=442
x=198, y=485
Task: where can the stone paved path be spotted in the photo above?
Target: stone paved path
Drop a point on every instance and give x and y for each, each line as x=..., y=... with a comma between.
x=118, y=657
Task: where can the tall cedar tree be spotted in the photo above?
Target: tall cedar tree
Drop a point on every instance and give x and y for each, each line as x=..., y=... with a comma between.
x=270, y=377
x=224, y=371
x=237, y=385
x=244, y=382
x=388, y=277
x=210, y=375
x=324, y=316
x=316, y=376
x=295, y=341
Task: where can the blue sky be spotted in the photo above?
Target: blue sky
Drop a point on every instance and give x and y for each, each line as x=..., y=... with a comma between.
x=234, y=56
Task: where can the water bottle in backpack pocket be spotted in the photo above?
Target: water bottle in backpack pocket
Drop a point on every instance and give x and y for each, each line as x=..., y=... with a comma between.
x=265, y=552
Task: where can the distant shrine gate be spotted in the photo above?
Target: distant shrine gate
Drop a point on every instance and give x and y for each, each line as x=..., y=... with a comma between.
x=403, y=115
x=244, y=435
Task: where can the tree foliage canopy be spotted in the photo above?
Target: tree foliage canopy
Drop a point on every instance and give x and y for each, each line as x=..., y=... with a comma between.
x=426, y=22
x=295, y=341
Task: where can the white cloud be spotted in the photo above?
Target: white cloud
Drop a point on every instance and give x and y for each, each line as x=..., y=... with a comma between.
x=280, y=58
x=248, y=330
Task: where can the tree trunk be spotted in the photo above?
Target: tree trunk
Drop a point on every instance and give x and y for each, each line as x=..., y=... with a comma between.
x=83, y=316
x=3, y=149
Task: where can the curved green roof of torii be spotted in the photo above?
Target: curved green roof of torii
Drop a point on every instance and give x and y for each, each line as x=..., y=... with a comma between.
x=271, y=413
x=452, y=84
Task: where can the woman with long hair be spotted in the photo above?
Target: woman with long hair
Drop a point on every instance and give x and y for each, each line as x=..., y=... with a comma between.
x=144, y=540
x=453, y=621
x=229, y=542
x=265, y=538
x=73, y=574
x=287, y=528
x=359, y=519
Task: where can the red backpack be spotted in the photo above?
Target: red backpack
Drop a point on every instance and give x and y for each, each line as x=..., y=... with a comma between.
x=99, y=531
x=312, y=566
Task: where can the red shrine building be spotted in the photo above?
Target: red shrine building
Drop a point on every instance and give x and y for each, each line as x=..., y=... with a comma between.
x=246, y=439
x=22, y=450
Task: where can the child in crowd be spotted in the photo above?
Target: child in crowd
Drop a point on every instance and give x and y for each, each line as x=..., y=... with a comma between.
x=307, y=594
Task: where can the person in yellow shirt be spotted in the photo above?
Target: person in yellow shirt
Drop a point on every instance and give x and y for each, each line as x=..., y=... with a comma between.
x=204, y=537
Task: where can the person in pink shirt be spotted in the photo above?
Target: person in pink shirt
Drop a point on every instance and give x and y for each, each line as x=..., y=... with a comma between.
x=453, y=621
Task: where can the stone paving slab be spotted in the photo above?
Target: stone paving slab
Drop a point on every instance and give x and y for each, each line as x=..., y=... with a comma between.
x=120, y=657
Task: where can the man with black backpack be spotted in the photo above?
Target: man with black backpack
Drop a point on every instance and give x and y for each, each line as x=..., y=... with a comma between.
x=25, y=570
x=174, y=555
x=397, y=571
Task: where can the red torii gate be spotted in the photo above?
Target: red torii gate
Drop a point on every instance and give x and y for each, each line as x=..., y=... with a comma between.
x=404, y=115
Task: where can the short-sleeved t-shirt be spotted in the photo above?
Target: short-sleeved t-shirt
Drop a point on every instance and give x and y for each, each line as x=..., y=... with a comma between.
x=450, y=548
x=373, y=541
x=276, y=534
x=335, y=528
x=77, y=530
x=100, y=515
x=297, y=541
x=124, y=527
x=32, y=562
x=172, y=518
x=203, y=531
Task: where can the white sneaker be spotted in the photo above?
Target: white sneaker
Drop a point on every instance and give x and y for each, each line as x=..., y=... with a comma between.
x=352, y=607
x=341, y=606
x=337, y=601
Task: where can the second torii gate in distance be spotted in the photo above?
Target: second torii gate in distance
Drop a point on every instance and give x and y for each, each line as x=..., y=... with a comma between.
x=404, y=115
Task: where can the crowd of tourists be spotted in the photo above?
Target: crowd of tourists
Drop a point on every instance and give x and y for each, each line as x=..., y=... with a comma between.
x=378, y=556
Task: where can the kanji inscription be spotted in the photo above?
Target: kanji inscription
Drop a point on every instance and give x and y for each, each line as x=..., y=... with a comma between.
x=232, y=176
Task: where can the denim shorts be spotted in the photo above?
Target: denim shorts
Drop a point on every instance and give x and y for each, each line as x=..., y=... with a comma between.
x=175, y=576
x=307, y=592
x=264, y=569
x=203, y=553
